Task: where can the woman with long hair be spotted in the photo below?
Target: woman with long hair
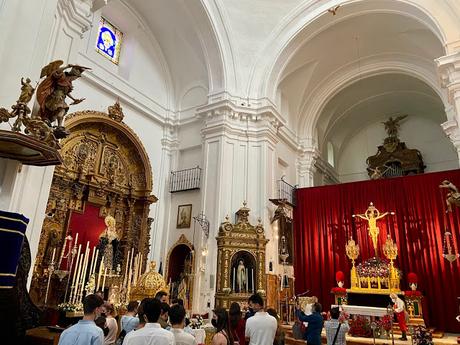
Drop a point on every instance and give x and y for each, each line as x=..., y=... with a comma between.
x=280, y=335
x=223, y=335
x=237, y=324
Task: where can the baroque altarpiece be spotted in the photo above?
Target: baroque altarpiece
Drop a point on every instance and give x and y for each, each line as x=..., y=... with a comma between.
x=105, y=172
x=240, y=260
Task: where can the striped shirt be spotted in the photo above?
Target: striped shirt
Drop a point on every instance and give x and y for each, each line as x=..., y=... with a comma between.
x=331, y=328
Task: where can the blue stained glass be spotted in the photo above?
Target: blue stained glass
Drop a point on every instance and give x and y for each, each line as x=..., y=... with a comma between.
x=109, y=41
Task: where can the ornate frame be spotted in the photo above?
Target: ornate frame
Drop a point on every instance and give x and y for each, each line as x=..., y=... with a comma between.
x=104, y=163
x=183, y=241
x=233, y=238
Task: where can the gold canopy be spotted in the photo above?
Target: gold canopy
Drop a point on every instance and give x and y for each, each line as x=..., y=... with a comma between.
x=149, y=284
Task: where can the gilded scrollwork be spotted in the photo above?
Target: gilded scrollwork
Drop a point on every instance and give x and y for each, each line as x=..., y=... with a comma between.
x=105, y=164
x=232, y=240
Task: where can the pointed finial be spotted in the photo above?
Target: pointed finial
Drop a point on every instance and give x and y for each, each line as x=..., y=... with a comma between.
x=259, y=220
x=244, y=203
x=227, y=218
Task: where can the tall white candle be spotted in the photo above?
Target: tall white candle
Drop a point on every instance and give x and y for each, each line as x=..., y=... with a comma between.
x=75, y=268
x=234, y=279
x=80, y=264
x=247, y=280
x=84, y=270
x=53, y=256
x=252, y=282
x=92, y=262
x=103, y=281
x=101, y=269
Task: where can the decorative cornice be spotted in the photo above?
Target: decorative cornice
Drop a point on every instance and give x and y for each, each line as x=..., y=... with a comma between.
x=452, y=131
x=77, y=14
x=224, y=118
x=449, y=73
x=326, y=169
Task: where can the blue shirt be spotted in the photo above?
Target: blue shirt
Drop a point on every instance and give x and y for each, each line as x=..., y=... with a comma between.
x=129, y=323
x=315, y=326
x=85, y=332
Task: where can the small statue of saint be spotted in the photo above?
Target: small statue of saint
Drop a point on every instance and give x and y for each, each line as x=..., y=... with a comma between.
x=241, y=276
x=108, y=245
x=392, y=126
x=453, y=197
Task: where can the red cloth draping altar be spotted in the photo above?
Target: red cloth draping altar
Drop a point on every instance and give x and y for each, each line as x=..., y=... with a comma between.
x=323, y=223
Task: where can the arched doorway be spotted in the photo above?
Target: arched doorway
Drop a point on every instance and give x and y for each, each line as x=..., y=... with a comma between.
x=180, y=269
x=105, y=171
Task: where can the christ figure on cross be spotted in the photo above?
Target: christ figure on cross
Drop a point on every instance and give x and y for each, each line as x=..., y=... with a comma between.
x=372, y=215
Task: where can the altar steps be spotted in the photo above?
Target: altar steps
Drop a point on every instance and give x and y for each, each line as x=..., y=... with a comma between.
x=439, y=338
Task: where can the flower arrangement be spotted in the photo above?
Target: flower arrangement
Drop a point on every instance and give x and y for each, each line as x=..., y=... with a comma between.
x=385, y=323
x=360, y=327
x=339, y=291
x=197, y=322
x=422, y=336
x=374, y=267
x=70, y=307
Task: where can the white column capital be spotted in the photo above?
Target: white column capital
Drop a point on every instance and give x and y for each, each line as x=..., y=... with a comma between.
x=307, y=154
x=225, y=118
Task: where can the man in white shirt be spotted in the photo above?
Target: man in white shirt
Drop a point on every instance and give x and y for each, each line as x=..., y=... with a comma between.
x=151, y=333
x=400, y=312
x=177, y=319
x=260, y=328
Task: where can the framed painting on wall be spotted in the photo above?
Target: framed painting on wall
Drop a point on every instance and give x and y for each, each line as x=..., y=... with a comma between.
x=184, y=216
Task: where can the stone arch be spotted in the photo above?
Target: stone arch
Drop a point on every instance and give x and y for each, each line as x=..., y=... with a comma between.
x=308, y=21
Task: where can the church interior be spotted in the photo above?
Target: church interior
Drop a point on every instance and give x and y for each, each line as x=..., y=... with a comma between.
x=303, y=150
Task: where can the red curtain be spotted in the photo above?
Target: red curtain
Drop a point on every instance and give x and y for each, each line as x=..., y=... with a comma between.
x=88, y=225
x=323, y=223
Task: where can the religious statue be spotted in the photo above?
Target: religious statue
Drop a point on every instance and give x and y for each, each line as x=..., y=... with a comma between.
x=182, y=289
x=241, y=276
x=109, y=240
x=372, y=215
x=53, y=91
x=392, y=126
x=453, y=196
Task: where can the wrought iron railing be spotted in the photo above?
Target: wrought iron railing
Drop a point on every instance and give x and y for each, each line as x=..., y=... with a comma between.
x=187, y=179
x=286, y=191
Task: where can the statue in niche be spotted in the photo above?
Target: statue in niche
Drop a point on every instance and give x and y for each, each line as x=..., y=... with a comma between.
x=241, y=280
x=108, y=246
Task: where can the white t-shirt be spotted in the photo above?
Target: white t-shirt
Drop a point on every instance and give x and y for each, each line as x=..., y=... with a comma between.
x=150, y=334
x=261, y=329
x=112, y=325
x=183, y=338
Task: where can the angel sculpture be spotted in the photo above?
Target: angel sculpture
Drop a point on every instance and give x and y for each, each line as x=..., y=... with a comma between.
x=392, y=126
x=453, y=197
x=53, y=91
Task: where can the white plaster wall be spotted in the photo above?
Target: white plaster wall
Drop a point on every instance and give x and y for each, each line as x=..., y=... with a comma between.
x=420, y=133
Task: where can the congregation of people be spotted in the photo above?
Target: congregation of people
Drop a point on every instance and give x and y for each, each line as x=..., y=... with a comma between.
x=155, y=322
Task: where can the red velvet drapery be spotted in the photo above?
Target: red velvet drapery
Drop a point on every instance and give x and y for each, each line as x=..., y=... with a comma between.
x=323, y=223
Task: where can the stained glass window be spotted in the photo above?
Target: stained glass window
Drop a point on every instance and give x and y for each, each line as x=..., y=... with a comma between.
x=109, y=40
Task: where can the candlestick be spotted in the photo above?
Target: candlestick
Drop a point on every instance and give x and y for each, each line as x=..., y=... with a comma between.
x=63, y=250
x=252, y=281
x=96, y=255
x=75, y=268
x=76, y=239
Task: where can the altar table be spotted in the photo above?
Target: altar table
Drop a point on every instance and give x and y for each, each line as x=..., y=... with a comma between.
x=363, y=310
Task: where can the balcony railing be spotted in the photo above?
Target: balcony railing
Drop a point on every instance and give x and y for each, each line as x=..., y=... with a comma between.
x=187, y=179
x=286, y=191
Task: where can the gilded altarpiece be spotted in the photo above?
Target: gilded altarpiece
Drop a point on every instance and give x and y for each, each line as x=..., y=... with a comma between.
x=240, y=260
x=106, y=168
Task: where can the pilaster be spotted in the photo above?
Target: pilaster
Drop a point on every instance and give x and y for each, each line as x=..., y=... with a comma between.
x=307, y=155
x=239, y=165
x=449, y=74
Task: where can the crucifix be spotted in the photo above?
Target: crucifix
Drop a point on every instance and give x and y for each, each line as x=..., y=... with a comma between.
x=372, y=215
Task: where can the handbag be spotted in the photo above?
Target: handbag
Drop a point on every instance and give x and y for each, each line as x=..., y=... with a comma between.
x=336, y=334
x=298, y=330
